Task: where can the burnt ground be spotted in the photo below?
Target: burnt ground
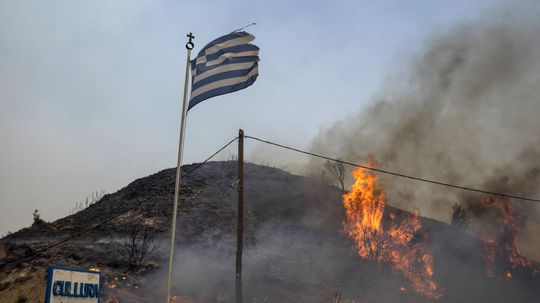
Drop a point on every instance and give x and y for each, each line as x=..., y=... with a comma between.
x=295, y=249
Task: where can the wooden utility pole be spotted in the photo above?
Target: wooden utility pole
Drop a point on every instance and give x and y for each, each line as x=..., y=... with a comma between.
x=240, y=217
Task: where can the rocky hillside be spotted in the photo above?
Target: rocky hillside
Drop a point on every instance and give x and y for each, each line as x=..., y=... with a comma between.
x=295, y=247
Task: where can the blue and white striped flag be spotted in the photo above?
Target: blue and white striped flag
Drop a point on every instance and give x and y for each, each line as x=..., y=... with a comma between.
x=223, y=66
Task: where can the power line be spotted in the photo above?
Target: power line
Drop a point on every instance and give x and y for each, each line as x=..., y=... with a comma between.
x=394, y=173
x=39, y=252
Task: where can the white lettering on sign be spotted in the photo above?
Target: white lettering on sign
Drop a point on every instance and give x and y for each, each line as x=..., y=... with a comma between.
x=70, y=285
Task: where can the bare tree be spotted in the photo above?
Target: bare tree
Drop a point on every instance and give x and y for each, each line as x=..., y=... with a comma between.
x=95, y=197
x=459, y=216
x=138, y=246
x=337, y=169
x=37, y=218
x=90, y=199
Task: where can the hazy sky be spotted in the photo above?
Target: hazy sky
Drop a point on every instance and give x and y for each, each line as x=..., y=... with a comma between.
x=90, y=90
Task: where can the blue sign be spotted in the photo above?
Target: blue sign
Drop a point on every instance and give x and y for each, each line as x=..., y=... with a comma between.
x=72, y=285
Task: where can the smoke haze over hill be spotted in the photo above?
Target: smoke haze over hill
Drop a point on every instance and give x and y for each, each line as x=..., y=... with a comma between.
x=464, y=111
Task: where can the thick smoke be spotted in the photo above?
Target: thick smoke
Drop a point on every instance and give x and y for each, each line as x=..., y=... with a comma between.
x=464, y=111
x=289, y=263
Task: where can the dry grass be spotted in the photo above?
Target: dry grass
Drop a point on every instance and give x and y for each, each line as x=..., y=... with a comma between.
x=32, y=288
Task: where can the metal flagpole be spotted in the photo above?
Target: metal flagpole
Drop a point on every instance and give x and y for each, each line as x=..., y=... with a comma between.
x=189, y=46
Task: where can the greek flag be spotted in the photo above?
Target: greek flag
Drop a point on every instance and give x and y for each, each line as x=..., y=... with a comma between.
x=223, y=66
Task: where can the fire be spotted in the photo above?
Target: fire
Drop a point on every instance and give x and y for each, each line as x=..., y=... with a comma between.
x=364, y=209
x=500, y=243
x=490, y=248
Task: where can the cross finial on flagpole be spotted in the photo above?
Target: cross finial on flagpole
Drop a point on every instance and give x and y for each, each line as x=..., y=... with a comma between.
x=189, y=44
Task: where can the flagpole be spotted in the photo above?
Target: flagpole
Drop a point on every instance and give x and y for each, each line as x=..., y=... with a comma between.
x=189, y=46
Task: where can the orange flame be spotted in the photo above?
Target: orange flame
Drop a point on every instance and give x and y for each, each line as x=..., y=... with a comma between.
x=500, y=244
x=364, y=209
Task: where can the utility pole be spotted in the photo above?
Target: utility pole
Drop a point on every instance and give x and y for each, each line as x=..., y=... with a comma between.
x=240, y=217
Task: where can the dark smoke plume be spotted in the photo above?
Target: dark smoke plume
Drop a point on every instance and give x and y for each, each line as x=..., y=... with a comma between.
x=465, y=111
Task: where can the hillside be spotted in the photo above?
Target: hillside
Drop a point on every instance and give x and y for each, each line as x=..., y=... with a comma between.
x=296, y=250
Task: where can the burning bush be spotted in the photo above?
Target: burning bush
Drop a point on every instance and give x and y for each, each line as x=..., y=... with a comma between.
x=399, y=245
x=498, y=224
